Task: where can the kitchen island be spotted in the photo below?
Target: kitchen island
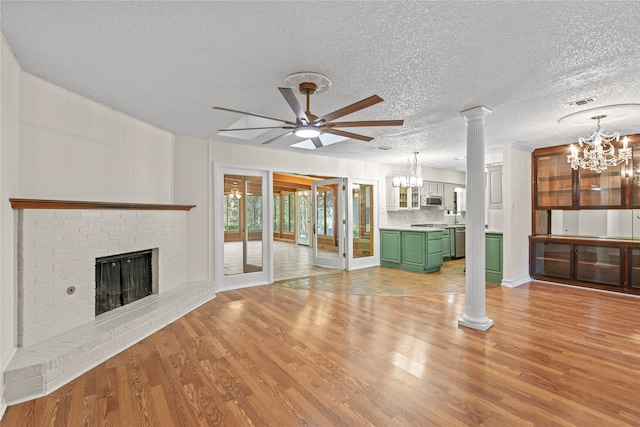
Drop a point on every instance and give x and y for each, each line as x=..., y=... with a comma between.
x=417, y=249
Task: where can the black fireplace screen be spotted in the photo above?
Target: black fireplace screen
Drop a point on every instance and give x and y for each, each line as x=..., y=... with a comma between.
x=122, y=279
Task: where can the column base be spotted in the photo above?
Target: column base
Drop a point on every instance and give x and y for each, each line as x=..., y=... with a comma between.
x=474, y=323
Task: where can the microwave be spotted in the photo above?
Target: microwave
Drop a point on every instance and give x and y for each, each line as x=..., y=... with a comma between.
x=426, y=200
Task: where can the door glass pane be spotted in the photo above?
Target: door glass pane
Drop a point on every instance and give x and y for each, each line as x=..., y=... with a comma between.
x=362, y=220
x=303, y=217
x=242, y=201
x=325, y=202
x=276, y=214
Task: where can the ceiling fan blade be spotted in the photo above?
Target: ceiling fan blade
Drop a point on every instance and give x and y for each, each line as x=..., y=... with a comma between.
x=277, y=137
x=254, y=115
x=368, y=102
x=317, y=142
x=363, y=123
x=291, y=99
x=269, y=127
x=347, y=134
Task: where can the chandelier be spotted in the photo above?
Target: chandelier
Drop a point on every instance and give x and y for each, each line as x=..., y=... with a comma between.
x=598, y=152
x=234, y=193
x=411, y=180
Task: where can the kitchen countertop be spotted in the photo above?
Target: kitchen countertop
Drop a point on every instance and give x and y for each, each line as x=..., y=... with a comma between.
x=432, y=228
x=414, y=228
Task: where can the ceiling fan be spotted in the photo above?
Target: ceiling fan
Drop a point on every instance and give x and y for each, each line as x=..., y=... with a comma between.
x=309, y=126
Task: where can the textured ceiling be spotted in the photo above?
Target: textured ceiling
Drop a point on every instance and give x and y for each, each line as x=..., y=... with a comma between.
x=168, y=63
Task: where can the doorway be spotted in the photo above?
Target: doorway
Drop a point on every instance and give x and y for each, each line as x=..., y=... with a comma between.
x=275, y=226
x=356, y=219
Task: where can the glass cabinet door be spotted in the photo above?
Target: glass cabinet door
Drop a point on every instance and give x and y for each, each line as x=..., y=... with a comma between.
x=599, y=264
x=634, y=269
x=554, y=181
x=415, y=198
x=602, y=189
x=403, y=201
x=552, y=259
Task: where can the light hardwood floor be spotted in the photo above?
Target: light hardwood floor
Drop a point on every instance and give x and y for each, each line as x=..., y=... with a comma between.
x=276, y=356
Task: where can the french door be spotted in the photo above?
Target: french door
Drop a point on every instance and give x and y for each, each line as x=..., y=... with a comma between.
x=362, y=220
x=242, y=228
x=329, y=223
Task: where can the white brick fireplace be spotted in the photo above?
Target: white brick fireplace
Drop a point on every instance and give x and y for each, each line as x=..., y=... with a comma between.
x=59, y=336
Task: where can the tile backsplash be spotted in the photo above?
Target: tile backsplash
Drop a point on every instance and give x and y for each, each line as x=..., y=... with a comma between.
x=433, y=214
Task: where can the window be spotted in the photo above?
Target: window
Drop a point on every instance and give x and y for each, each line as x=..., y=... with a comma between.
x=288, y=213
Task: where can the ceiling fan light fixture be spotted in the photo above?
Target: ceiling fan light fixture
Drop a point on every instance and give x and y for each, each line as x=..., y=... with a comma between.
x=307, y=131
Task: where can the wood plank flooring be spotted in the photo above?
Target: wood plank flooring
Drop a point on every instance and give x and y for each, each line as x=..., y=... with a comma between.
x=276, y=356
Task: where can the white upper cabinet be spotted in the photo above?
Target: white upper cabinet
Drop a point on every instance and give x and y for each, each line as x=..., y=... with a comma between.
x=401, y=198
x=461, y=199
x=448, y=200
x=494, y=187
x=393, y=195
x=432, y=188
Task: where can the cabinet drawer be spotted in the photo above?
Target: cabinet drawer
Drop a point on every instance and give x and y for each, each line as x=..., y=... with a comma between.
x=434, y=246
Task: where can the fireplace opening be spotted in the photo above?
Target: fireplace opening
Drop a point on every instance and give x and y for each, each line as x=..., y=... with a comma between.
x=122, y=279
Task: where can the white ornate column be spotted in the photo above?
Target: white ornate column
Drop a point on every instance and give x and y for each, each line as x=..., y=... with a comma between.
x=474, y=313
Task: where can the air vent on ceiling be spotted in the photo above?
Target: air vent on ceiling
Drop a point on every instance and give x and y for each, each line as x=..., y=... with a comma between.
x=581, y=102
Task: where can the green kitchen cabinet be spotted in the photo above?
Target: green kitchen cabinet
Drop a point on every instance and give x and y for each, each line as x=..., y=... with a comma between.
x=414, y=247
x=417, y=251
x=493, y=257
x=446, y=243
x=390, y=254
x=434, y=250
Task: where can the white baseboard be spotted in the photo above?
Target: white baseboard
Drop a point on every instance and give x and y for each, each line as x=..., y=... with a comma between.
x=515, y=283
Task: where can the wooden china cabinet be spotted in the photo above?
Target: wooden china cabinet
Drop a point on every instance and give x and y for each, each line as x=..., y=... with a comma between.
x=610, y=262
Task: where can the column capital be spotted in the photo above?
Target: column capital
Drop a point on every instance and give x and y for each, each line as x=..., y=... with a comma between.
x=475, y=113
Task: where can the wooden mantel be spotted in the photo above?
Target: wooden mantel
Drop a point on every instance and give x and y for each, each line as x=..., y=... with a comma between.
x=79, y=204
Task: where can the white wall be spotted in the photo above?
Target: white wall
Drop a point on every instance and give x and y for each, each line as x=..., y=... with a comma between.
x=516, y=193
x=192, y=186
x=9, y=128
x=443, y=175
x=72, y=148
